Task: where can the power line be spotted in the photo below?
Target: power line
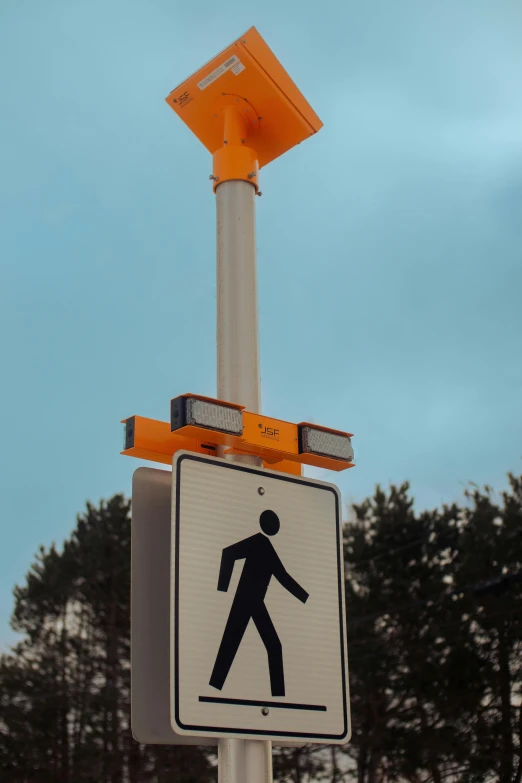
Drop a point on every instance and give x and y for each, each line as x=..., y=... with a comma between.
x=438, y=625
x=500, y=583
x=425, y=539
x=361, y=654
x=390, y=552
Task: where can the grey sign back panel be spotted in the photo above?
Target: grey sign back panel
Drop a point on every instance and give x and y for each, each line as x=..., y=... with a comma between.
x=150, y=611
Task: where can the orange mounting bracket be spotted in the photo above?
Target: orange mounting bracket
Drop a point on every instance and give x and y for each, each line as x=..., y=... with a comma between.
x=235, y=159
x=275, y=441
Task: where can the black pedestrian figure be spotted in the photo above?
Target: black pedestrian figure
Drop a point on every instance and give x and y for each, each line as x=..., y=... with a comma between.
x=261, y=564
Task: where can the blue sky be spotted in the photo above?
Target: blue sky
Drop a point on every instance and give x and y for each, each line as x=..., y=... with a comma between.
x=390, y=258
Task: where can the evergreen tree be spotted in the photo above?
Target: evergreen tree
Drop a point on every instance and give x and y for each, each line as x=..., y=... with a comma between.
x=65, y=691
x=434, y=638
x=490, y=554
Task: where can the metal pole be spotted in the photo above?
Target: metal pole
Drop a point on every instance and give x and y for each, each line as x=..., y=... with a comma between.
x=258, y=761
x=238, y=380
x=237, y=324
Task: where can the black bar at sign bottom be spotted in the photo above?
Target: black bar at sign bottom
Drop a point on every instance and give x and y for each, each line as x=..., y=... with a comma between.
x=250, y=703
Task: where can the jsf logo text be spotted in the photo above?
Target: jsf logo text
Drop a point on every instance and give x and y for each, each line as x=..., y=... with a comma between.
x=269, y=432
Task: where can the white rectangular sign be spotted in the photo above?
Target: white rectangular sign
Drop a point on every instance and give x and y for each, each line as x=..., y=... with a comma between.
x=258, y=636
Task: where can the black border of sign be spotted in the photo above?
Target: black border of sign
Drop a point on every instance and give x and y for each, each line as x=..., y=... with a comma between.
x=340, y=574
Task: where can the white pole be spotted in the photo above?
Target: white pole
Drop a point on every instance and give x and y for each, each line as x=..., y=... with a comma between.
x=238, y=380
x=237, y=324
x=258, y=761
x=231, y=761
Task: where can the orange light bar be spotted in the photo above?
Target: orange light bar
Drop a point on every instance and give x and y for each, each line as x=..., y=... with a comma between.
x=275, y=441
x=252, y=433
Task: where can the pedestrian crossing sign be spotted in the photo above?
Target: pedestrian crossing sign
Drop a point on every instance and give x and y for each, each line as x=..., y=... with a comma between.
x=258, y=629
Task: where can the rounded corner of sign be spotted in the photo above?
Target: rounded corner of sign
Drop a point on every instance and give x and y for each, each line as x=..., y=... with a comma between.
x=176, y=725
x=334, y=489
x=139, y=472
x=139, y=732
x=337, y=493
x=342, y=739
x=179, y=456
x=345, y=736
x=137, y=737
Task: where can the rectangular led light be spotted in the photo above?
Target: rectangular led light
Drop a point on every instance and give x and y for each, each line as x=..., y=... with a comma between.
x=325, y=443
x=197, y=412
